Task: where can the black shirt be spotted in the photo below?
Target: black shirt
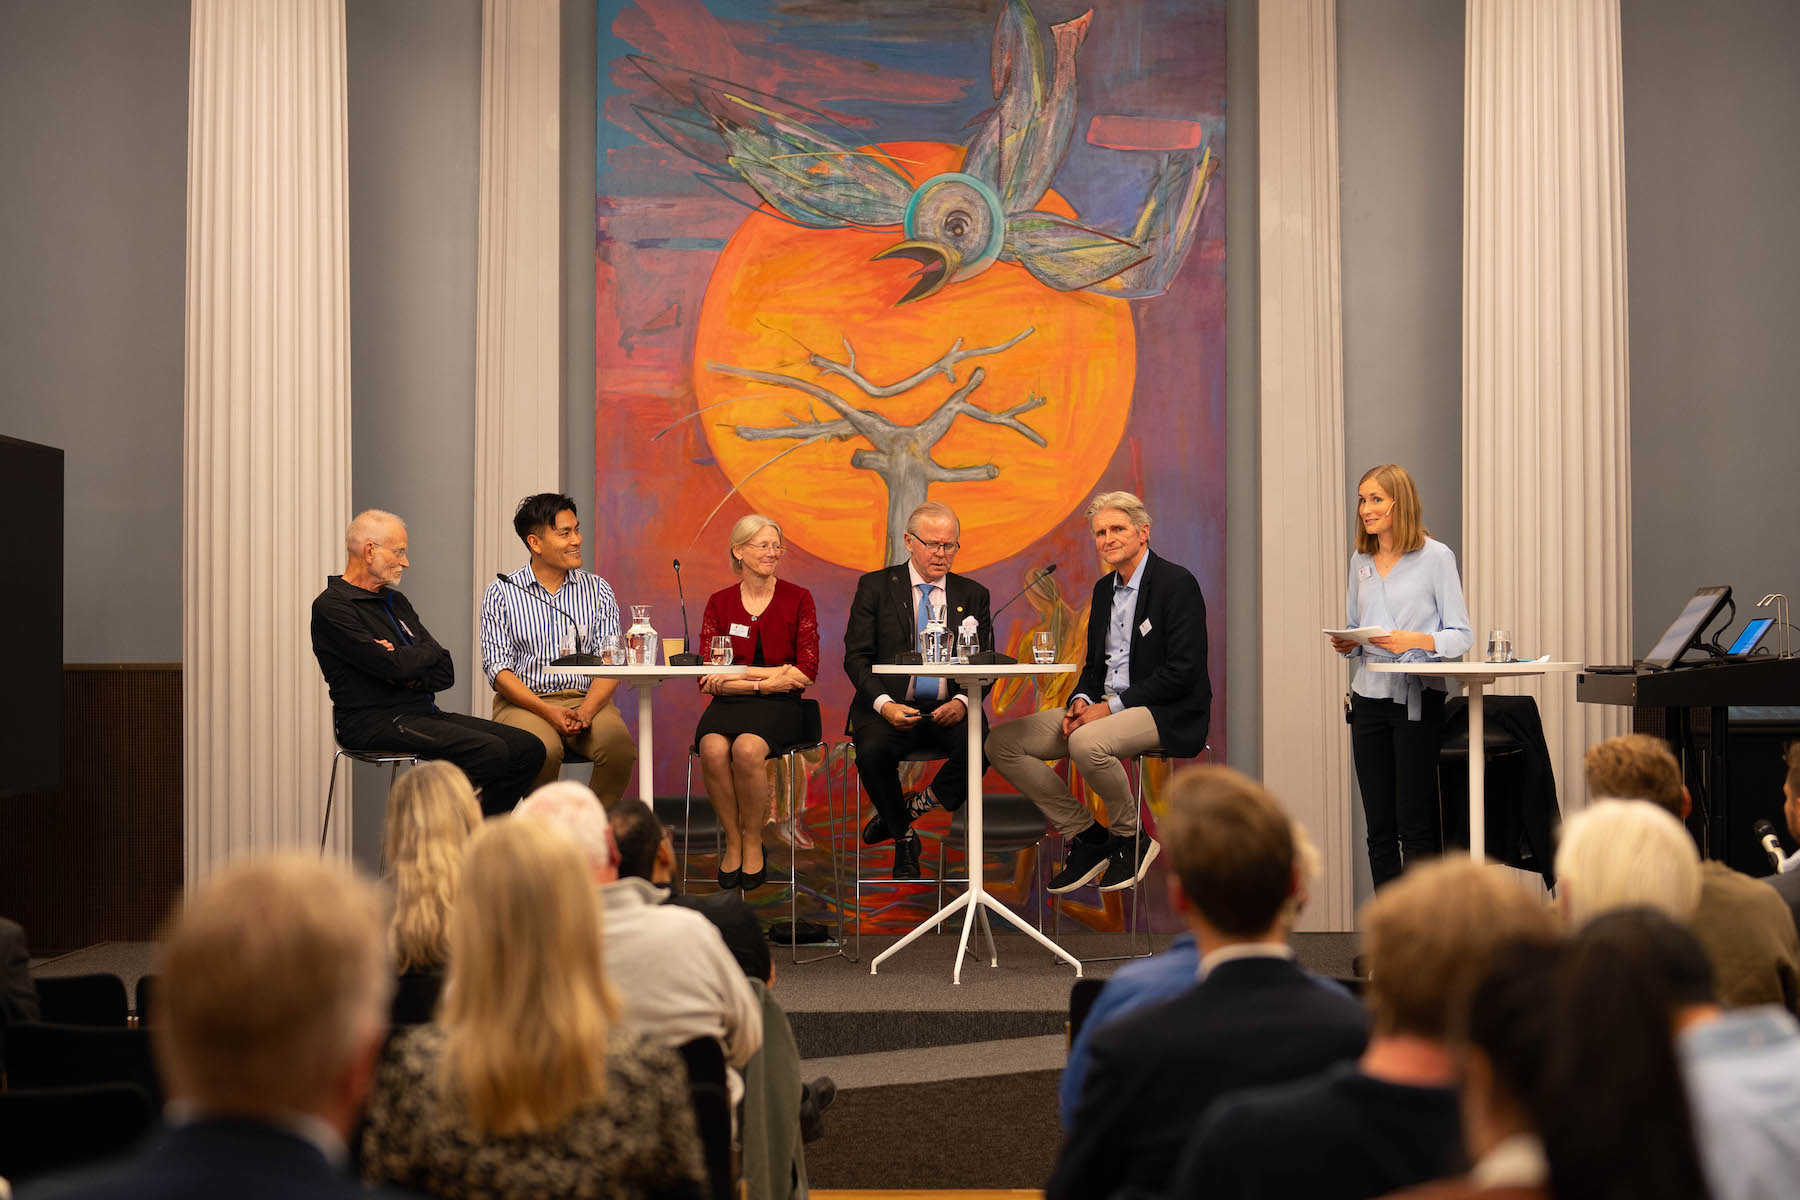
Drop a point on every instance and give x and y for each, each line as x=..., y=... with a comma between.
x=348, y=625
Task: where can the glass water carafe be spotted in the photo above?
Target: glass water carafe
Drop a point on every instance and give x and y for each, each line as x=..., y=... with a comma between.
x=640, y=639
x=934, y=639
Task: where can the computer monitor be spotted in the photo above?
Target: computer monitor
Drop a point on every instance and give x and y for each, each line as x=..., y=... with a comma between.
x=1749, y=637
x=1681, y=636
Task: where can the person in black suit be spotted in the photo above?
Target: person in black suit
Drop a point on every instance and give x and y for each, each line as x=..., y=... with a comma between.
x=1145, y=687
x=1254, y=1018
x=891, y=716
x=271, y=1010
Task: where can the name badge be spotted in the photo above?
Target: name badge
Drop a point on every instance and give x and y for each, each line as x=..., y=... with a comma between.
x=739, y=630
x=1144, y=629
x=1364, y=571
x=408, y=628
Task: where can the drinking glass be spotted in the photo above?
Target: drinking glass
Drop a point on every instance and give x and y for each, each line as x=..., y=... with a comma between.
x=608, y=648
x=1500, y=646
x=1043, y=647
x=721, y=651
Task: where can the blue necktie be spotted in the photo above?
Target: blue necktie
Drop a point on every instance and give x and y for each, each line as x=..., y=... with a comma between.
x=926, y=688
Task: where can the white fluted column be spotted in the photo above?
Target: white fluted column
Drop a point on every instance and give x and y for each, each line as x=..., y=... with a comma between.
x=1546, y=389
x=518, y=325
x=1305, y=752
x=266, y=465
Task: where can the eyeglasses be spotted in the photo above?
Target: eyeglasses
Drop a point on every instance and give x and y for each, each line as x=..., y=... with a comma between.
x=766, y=547
x=400, y=553
x=938, y=547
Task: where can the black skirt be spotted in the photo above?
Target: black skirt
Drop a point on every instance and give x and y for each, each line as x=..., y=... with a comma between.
x=778, y=720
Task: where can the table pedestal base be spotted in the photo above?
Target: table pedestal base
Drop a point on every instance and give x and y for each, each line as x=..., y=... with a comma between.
x=976, y=903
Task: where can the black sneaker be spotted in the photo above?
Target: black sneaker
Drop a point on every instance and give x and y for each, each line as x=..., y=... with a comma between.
x=1086, y=860
x=1123, y=867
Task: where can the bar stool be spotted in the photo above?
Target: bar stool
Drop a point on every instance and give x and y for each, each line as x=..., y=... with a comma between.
x=381, y=758
x=846, y=765
x=713, y=833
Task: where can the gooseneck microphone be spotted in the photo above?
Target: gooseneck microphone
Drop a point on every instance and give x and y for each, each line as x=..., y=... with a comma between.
x=1767, y=838
x=577, y=659
x=688, y=658
x=988, y=658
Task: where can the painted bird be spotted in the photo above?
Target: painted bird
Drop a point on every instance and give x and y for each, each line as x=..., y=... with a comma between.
x=956, y=224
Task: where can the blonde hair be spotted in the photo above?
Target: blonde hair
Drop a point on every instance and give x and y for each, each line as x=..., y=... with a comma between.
x=526, y=1008
x=431, y=812
x=572, y=811
x=1409, y=514
x=1125, y=502
x=272, y=979
x=1635, y=766
x=1431, y=934
x=747, y=527
x=1624, y=854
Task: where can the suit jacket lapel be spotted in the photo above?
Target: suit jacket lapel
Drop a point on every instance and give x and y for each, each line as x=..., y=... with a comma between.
x=902, y=585
x=1143, y=598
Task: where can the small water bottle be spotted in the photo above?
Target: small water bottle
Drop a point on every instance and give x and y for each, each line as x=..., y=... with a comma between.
x=640, y=639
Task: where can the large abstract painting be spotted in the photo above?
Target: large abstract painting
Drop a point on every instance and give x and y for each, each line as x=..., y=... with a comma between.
x=851, y=256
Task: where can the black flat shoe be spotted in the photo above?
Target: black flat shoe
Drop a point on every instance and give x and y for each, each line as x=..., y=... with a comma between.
x=731, y=880
x=755, y=879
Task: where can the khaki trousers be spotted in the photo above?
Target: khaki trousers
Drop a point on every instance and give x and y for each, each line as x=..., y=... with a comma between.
x=1018, y=750
x=606, y=743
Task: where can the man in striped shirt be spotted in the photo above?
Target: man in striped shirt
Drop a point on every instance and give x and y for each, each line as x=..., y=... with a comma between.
x=540, y=612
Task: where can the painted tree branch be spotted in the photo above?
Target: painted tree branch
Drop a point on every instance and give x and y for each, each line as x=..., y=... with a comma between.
x=946, y=366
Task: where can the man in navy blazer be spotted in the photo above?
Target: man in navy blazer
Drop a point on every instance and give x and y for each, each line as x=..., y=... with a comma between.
x=891, y=715
x=271, y=1009
x=1145, y=687
x=1253, y=1018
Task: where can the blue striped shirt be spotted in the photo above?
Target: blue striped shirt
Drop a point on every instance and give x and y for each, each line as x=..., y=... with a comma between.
x=521, y=635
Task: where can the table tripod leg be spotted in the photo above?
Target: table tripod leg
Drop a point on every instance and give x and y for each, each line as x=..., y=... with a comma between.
x=924, y=927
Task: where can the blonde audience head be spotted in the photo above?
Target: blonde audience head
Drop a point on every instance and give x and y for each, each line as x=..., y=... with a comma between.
x=1429, y=935
x=430, y=816
x=1636, y=766
x=572, y=811
x=526, y=1007
x=273, y=991
x=1626, y=853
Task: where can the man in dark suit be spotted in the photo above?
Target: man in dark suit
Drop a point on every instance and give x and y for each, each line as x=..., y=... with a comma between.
x=1254, y=1018
x=1145, y=687
x=891, y=716
x=271, y=1010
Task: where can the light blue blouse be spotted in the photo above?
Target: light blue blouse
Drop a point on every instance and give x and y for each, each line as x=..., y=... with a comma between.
x=1423, y=594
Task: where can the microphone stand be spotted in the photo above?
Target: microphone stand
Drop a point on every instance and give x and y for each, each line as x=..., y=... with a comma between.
x=688, y=657
x=994, y=658
x=577, y=659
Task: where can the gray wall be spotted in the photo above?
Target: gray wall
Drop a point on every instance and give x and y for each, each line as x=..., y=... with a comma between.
x=93, y=196
x=1243, y=533
x=1712, y=100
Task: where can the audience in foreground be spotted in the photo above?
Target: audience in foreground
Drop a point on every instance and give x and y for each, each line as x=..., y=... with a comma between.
x=1744, y=924
x=1254, y=1017
x=1786, y=882
x=18, y=994
x=1625, y=854
x=271, y=1009
x=528, y=1085
x=431, y=814
x=1570, y=1085
x=1389, y=1120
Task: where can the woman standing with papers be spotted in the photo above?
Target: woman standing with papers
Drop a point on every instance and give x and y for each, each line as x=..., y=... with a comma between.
x=1404, y=581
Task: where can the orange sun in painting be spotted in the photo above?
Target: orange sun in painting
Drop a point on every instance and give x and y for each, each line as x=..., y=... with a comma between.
x=781, y=292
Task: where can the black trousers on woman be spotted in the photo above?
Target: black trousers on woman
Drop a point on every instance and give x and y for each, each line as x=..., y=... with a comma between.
x=1396, y=771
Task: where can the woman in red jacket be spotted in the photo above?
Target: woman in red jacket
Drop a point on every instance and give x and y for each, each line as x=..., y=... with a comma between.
x=774, y=628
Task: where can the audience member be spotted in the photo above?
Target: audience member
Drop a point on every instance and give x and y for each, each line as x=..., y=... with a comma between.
x=1786, y=881
x=675, y=979
x=18, y=994
x=1747, y=929
x=527, y=1085
x=1390, y=1120
x=1625, y=854
x=271, y=1009
x=431, y=814
x=1570, y=1084
x=1253, y=1018
x=1143, y=982
x=383, y=669
x=531, y=618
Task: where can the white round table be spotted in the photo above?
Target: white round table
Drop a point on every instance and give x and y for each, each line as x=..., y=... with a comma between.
x=1475, y=676
x=975, y=677
x=645, y=680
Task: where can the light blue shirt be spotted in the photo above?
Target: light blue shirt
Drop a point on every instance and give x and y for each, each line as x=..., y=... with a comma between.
x=1133, y=986
x=1743, y=1074
x=1118, y=635
x=1423, y=594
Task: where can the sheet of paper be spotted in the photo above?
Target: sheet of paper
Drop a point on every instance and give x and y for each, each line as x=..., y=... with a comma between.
x=1360, y=635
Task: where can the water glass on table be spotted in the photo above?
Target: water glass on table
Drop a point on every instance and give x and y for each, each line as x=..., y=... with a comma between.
x=610, y=649
x=720, y=651
x=1043, y=647
x=1499, y=646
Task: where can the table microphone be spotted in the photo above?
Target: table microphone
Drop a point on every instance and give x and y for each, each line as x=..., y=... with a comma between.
x=1768, y=840
x=577, y=659
x=993, y=658
x=688, y=658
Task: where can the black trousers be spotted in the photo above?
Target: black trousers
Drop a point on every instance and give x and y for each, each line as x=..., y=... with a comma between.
x=499, y=760
x=1396, y=770
x=880, y=746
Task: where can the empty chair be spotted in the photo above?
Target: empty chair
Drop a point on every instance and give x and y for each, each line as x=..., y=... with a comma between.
x=705, y=1060
x=97, y=999
x=52, y=1129
x=39, y=1055
x=142, y=997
